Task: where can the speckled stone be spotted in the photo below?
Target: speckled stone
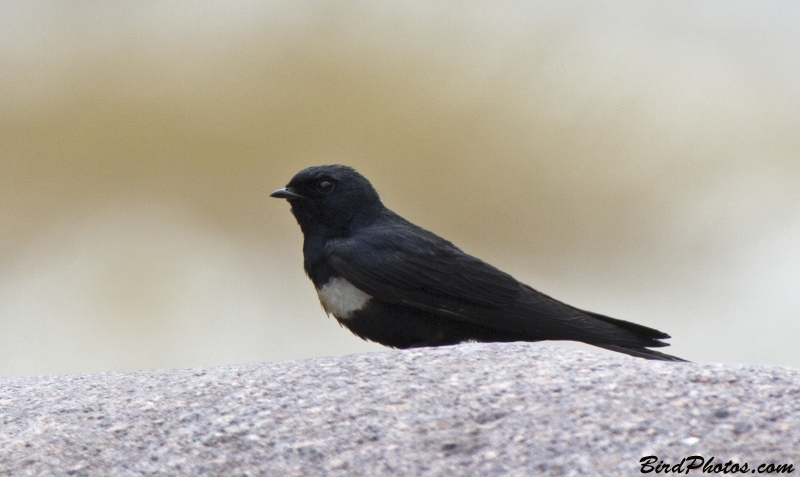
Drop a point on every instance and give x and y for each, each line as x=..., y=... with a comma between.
x=475, y=409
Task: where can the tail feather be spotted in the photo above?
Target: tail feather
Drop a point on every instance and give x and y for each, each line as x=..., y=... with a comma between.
x=650, y=339
x=650, y=336
x=600, y=330
x=641, y=352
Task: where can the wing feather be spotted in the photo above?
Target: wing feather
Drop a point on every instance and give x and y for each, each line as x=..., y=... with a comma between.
x=407, y=264
x=398, y=262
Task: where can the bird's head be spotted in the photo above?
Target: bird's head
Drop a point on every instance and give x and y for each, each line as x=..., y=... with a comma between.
x=329, y=198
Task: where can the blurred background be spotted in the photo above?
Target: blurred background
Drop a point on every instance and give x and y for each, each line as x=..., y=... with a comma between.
x=638, y=159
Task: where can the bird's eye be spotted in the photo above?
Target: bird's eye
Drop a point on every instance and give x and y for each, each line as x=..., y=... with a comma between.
x=325, y=186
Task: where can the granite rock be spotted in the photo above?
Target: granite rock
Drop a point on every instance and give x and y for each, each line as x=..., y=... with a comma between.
x=474, y=409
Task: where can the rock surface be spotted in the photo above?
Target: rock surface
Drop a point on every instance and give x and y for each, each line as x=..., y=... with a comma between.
x=475, y=409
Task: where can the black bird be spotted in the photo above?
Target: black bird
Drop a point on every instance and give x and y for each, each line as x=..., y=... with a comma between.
x=397, y=284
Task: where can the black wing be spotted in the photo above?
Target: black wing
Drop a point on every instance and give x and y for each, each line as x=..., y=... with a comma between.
x=398, y=262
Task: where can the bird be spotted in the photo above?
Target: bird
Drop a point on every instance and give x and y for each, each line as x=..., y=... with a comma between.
x=392, y=282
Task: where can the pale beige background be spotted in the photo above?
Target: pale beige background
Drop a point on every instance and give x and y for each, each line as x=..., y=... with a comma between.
x=639, y=159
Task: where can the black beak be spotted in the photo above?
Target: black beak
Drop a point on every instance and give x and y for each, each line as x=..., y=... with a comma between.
x=286, y=194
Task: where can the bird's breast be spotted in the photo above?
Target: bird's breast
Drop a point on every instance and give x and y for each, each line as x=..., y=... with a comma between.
x=341, y=298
